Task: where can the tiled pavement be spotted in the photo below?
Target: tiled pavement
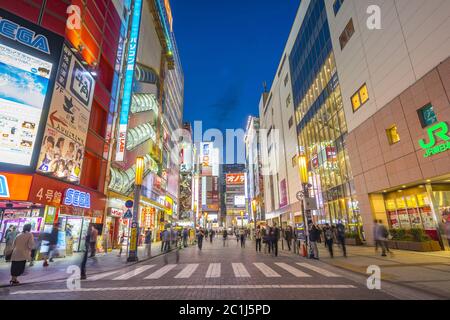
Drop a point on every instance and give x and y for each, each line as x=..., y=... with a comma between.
x=217, y=273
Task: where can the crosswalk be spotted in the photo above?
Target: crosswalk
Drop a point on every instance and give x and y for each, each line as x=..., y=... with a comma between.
x=217, y=270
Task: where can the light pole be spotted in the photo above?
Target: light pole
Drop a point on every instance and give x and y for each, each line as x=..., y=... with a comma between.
x=134, y=231
x=303, y=170
x=242, y=219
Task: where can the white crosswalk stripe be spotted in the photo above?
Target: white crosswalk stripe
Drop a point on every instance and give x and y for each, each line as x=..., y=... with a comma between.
x=187, y=271
x=134, y=273
x=101, y=275
x=296, y=272
x=240, y=271
x=213, y=270
x=320, y=271
x=266, y=270
x=158, y=274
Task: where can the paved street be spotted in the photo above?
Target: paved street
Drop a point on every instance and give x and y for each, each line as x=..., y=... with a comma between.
x=219, y=272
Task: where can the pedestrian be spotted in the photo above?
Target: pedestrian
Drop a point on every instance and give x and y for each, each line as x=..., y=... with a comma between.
x=148, y=242
x=23, y=244
x=200, y=236
x=225, y=237
x=185, y=237
x=37, y=245
x=340, y=235
x=52, y=243
x=10, y=236
x=121, y=242
x=211, y=236
x=258, y=237
x=328, y=234
x=314, y=235
x=93, y=241
x=166, y=240
x=375, y=235
x=87, y=246
x=383, y=235
x=242, y=236
x=276, y=238
x=288, y=237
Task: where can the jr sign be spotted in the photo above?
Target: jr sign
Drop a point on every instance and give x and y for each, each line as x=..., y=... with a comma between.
x=441, y=131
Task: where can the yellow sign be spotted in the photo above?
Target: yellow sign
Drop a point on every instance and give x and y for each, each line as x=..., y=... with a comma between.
x=133, y=238
x=169, y=205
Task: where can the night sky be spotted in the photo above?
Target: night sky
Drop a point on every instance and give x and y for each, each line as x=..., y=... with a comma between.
x=228, y=48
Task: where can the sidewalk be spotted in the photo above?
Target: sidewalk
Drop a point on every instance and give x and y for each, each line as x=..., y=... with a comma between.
x=425, y=271
x=57, y=270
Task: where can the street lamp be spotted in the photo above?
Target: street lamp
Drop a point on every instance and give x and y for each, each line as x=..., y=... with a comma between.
x=134, y=232
x=242, y=219
x=303, y=171
x=254, y=207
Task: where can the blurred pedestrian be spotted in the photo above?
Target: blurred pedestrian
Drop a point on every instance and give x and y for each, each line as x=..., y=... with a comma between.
x=382, y=235
x=288, y=236
x=375, y=235
x=242, y=236
x=93, y=241
x=10, y=236
x=276, y=238
x=148, y=242
x=200, y=236
x=314, y=235
x=328, y=234
x=23, y=244
x=52, y=244
x=258, y=237
x=225, y=237
x=185, y=237
x=340, y=235
x=121, y=242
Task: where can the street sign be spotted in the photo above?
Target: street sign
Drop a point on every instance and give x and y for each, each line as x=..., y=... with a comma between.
x=129, y=204
x=310, y=204
x=299, y=196
x=128, y=214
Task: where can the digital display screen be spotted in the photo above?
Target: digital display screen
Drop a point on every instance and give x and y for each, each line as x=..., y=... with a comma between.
x=24, y=82
x=239, y=201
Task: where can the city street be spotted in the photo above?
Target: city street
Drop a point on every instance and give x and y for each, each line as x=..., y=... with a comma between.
x=219, y=273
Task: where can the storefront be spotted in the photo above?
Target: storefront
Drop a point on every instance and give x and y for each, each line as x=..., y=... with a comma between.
x=44, y=202
x=425, y=206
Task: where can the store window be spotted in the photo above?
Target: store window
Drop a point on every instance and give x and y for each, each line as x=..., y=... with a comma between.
x=291, y=122
x=346, y=34
x=337, y=6
x=427, y=116
x=286, y=79
x=392, y=135
x=288, y=101
x=360, y=98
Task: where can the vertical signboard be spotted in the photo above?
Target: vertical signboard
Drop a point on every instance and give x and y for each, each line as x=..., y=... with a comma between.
x=128, y=83
x=65, y=135
x=29, y=55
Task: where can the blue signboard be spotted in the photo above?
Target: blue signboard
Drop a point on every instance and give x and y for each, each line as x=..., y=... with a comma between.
x=128, y=83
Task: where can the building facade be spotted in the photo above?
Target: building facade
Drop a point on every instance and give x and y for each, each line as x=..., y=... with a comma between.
x=395, y=89
x=234, y=195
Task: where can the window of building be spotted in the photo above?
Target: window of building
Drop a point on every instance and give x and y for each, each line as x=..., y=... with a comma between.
x=393, y=135
x=291, y=122
x=337, y=6
x=427, y=116
x=360, y=98
x=288, y=101
x=347, y=34
x=286, y=79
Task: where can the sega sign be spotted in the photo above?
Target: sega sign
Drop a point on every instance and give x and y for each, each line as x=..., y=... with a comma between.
x=23, y=35
x=77, y=198
x=4, y=190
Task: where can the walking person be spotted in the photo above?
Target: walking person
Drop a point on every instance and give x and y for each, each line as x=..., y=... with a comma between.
x=52, y=242
x=87, y=246
x=225, y=237
x=148, y=242
x=121, y=242
x=10, y=236
x=288, y=236
x=340, y=235
x=93, y=241
x=276, y=238
x=200, y=236
x=34, y=251
x=185, y=237
x=314, y=235
x=383, y=235
x=166, y=240
x=258, y=237
x=211, y=236
x=375, y=235
x=23, y=244
x=236, y=233
x=328, y=234
x=242, y=236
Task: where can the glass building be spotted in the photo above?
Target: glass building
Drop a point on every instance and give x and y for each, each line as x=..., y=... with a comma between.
x=320, y=120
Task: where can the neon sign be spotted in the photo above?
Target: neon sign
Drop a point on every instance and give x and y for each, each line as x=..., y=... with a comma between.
x=77, y=198
x=23, y=35
x=128, y=84
x=4, y=190
x=440, y=131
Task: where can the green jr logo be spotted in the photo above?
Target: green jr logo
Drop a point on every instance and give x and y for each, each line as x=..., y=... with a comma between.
x=440, y=131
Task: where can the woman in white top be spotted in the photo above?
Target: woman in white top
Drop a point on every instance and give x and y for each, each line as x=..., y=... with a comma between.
x=23, y=245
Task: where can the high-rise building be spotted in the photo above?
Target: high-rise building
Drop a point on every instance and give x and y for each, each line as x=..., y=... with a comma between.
x=394, y=74
x=234, y=195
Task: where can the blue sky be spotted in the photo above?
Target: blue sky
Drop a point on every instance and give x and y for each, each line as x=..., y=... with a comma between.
x=228, y=48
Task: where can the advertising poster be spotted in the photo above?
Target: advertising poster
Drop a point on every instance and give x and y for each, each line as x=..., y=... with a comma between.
x=235, y=179
x=24, y=82
x=27, y=77
x=65, y=135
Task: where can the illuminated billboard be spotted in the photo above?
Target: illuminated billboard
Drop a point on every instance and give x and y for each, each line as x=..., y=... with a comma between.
x=239, y=201
x=235, y=178
x=65, y=135
x=28, y=56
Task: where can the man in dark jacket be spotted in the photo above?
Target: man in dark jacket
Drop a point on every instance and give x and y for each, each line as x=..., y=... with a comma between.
x=52, y=243
x=340, y=235
x=288, y=237
x=276, y=238
x=314, y=235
